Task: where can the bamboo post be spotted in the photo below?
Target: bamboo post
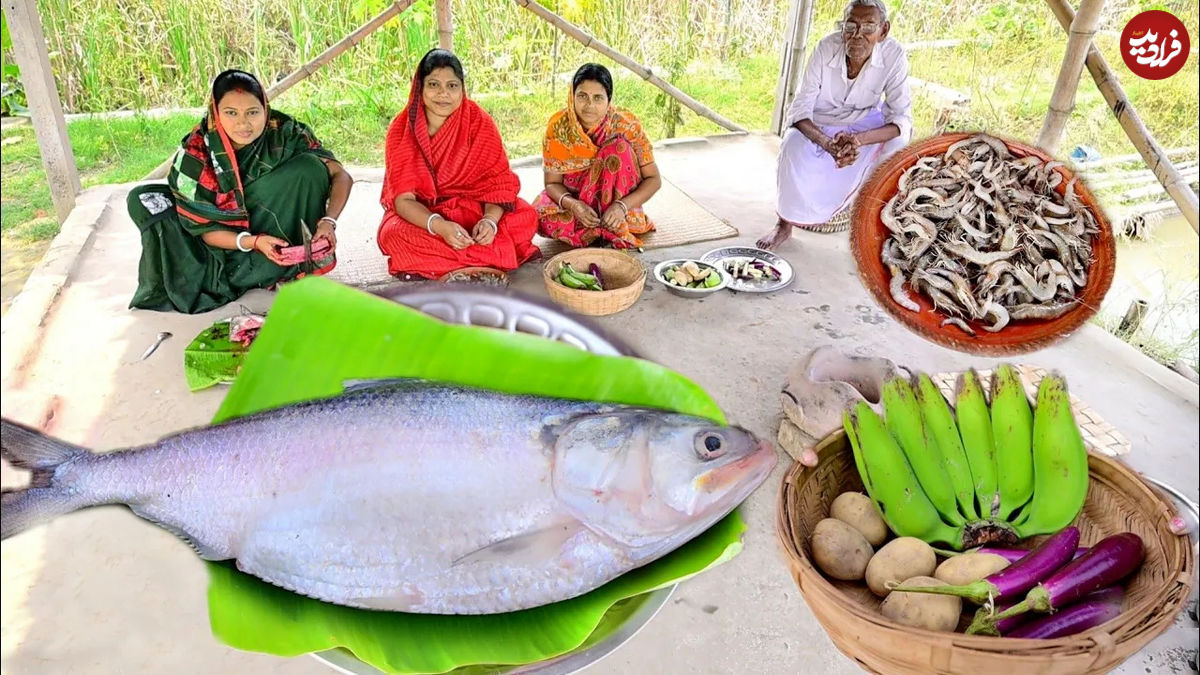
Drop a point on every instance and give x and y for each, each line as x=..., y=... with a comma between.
x=392, y=10
x=785, y=68
x=586, y=40
x=1134, y=316
x=1152, y=153
x=445, y=22
x=799, y=47
x=338, y=48
x=799, y=25
x=1062, y=101
x=49, y=126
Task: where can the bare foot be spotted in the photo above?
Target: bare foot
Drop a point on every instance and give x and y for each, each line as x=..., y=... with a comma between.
x=808, y=457
x=777, y=236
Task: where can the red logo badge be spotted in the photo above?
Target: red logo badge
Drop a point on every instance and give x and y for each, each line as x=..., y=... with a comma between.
x=1155, y=44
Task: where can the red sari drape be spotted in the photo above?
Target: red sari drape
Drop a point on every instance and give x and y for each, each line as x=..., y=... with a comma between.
x=453, y=173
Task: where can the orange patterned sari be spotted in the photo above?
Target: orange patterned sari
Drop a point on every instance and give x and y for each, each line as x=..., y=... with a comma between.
x=598, y=168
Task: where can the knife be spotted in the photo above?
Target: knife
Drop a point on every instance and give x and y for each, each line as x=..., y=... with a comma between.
x=306, y=235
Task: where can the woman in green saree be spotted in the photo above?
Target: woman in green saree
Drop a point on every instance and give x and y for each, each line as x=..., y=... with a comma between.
x=247, y=184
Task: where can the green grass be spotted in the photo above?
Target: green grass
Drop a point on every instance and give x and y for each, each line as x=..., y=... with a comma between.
x=106, y=151
x=353, y=124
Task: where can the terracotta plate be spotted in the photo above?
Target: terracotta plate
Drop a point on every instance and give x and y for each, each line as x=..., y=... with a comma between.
x=868, y=234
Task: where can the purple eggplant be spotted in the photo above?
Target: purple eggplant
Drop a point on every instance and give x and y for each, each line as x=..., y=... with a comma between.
x=1018, y=577
x=1005, y=627
x=1092, y=610
x=594, y=270
x=1015, y=554
x=1106, y=563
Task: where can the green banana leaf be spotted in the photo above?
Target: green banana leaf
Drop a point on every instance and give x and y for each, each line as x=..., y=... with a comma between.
x=320, y=334
x=212, y=358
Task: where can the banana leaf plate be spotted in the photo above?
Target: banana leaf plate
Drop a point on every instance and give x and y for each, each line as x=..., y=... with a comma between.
x=320, y=334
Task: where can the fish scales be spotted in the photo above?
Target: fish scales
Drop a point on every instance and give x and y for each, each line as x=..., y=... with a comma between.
x=421, y=498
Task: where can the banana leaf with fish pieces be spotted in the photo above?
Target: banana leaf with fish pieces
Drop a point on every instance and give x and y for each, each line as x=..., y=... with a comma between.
x=320, y=334
x=212, y=358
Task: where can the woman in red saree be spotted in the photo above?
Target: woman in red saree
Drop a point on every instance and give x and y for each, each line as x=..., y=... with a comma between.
x=599, y=168
x=449, y=196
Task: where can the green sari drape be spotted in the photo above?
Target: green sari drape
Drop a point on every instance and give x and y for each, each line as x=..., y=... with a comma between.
x=179, y=272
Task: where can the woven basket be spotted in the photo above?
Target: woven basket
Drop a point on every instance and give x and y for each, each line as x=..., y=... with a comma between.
x=624, y=277
x=1117, y=501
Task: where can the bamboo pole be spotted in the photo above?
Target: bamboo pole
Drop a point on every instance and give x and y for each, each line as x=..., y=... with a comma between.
x=1084, y=167
x=799, y=46
x=586, y=40
x=1137, y=132
x=445, y=22
x=392, y=10
x=339, y=47
x=799, y=25
x=1062, y=101
x=785, y=66
x=49, y=127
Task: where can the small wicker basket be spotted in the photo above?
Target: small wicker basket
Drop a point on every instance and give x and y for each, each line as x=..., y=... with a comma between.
x=624, y=279
x=1117, y=501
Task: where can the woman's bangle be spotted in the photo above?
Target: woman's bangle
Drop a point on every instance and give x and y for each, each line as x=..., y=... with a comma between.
x=564, y=195
x=624, y=206
x=429, y=222
x=491, y=222
x=331, y=222
x=237, y=241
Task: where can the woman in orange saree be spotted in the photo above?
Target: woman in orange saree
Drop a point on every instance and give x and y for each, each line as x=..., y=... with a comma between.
x=599, y=168
x=449, y=196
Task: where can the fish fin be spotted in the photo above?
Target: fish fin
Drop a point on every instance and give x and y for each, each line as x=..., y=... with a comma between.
x=535, y=546
x=203, y=550
x=365, y=384
x=43, y=499
x=406, y=598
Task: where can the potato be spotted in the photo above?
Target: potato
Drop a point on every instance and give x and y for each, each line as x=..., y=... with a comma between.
x=968, y=568
x=840, y=550
x=858, y=511
x=901, y=559
x=923, y=610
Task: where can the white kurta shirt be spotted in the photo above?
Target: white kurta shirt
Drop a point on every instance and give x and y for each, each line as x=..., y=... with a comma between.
x=829, y=98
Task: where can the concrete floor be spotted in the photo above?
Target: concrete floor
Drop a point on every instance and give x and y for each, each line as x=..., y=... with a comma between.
x=101, y=592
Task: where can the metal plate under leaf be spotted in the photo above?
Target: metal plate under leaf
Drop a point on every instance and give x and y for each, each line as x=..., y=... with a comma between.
x=474, y=305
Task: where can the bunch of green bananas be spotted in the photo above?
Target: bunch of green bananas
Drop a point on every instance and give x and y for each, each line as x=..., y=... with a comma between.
x=571, y=278
x=971, y=475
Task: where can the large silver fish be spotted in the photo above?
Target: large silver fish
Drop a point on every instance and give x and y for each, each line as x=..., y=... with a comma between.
x=413, y=496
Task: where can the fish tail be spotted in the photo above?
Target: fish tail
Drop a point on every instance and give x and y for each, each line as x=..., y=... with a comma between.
x=43, y=499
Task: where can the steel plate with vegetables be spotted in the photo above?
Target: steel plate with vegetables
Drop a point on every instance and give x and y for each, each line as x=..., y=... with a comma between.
x=751, y=270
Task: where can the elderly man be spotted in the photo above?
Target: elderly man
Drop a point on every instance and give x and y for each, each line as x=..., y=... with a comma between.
x=852, y=111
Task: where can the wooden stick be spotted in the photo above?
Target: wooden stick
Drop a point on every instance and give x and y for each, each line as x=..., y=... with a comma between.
x=945, y=95
x=1062, y=101
x=445, y=21
x=586, y=40
x=799, y=46
x=49, y=127
x=313, y=66
x=1137, y=132
x=337, y=48
x=799, y=24
x=1083, y=167
x=785, y=67
x=1134, y=316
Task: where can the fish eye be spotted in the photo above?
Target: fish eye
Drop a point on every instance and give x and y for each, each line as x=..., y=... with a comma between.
x=709, y=445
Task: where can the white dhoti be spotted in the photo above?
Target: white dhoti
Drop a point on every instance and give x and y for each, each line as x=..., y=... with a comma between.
x=811, y=186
